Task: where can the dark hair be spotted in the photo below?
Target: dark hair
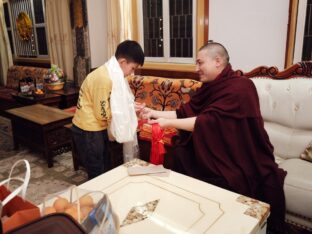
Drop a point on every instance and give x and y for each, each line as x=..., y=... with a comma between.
x=131, y=51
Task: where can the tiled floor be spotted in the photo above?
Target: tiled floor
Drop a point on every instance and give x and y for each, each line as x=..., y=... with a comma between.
x=43, y=180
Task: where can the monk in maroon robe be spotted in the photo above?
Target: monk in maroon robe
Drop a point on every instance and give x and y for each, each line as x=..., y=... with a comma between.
x=222, y=137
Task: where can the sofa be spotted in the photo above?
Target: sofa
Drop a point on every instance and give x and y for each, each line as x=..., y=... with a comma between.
x=285, y=100
x=14, y=75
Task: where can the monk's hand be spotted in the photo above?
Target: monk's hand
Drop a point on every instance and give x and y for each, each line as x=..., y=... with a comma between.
x=138, y=107
x=163, y=123
x=146, y=113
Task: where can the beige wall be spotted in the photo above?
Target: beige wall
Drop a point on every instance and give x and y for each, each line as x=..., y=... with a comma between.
x=254, y=31
x=97, y=31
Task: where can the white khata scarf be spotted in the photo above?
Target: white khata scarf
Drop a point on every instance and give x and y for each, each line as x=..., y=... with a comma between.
x=124, y=120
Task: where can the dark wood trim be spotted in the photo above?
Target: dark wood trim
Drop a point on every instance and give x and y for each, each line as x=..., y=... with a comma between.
x=296, y=70
x=291, y=32
x=206, y=21
x=32, y=62
x=167, y=74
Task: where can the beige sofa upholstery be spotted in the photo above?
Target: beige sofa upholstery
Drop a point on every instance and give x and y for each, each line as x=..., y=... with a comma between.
x=286, y=106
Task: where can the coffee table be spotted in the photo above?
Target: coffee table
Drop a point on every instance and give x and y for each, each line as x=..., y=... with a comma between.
x=69, y=96
x=177, y=204
x=49, y=99
x=62, y=99
x=42, y=128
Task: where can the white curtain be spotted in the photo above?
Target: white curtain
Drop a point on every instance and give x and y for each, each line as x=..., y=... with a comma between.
x=60, y=41
x=126, y=19
x=5, y=50
x=118, y=23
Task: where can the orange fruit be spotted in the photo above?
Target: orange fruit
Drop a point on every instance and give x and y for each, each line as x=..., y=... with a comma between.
x=49, y=210
x=60, y=204
x=86, y=200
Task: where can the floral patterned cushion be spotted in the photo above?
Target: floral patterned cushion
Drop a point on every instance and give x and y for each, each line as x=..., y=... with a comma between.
x=15, y=73
x=162, y=93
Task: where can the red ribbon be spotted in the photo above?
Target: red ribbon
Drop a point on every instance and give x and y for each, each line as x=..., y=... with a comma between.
x=158, y=148
x=141, y=122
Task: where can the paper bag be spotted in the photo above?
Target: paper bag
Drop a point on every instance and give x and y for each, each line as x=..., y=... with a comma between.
x=17, y=210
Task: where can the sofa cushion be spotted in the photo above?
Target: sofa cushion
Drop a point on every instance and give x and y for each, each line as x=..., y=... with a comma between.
x=307, y=154
x=288, y=142
x=286, y=102
x=6, y=94
x=298, y=186
x=162, y=93
x=286, y=110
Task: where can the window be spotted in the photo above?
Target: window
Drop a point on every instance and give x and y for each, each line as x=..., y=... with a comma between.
x=307, y=41
x=168, y=30
x=34, y=45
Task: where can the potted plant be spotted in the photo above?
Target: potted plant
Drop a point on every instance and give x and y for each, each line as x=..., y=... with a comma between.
x=55, y=78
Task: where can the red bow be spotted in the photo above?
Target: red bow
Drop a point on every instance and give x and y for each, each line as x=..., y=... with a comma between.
x=158, y=148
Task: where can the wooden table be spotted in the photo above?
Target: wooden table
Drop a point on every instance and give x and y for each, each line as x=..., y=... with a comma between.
x=42, y=128
x=62, y=99
x=183, y=204
x=49, y=99
x=69, y=96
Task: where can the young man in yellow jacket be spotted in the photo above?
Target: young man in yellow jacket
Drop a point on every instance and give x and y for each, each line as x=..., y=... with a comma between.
x=93, y=114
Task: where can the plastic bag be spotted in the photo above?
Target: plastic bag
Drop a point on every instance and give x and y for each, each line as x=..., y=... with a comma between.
x=85, y=206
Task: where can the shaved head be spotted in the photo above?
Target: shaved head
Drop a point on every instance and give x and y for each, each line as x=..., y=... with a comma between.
x=211, y=59
x=214, y=50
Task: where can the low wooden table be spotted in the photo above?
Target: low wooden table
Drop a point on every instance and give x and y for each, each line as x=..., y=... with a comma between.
x=69, y=96
x=62, y=99
x=41, y=127
x=177, y=204
x=49, y=99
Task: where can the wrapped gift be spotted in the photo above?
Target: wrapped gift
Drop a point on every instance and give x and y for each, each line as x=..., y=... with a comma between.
x=145, y=132
x=158, y=138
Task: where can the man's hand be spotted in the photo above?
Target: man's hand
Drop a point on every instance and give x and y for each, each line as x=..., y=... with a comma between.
x=163, y=123
x=186, y=124
x=139, y=107
x=146, y=113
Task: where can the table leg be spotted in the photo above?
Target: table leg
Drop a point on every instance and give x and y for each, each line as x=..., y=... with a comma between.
x=49, y=157
x=75, y=155
x=15, y=142
x=14, y=132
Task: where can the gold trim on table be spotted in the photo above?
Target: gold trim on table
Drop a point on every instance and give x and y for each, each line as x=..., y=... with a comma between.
x=139, y=213
x=257, y=209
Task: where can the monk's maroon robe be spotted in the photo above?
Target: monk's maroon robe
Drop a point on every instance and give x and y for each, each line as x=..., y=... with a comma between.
x=229, y=146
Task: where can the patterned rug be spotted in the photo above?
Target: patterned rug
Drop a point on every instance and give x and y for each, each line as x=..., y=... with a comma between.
x=43, y=180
